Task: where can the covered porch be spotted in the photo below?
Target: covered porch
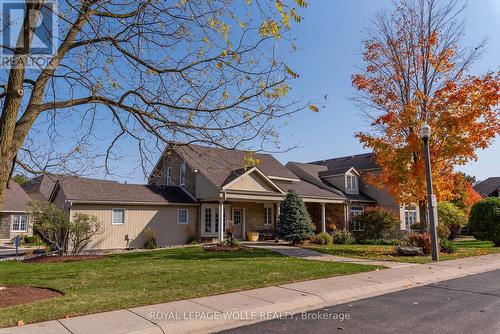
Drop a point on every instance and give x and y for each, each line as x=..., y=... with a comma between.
x=247, y=216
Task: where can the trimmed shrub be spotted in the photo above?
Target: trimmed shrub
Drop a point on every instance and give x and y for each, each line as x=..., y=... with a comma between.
x=379, y=242
x=150, y=238
x=35, y=239
x=443, y=231
x=422, y=240
x=448, y=246
x=451, y=216
x=342, y=238
x=322, y=239
x=377, y=222
x=484, y=220
x=294, y=223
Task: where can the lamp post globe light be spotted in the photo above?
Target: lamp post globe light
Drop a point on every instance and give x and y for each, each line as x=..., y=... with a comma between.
x=425, y=134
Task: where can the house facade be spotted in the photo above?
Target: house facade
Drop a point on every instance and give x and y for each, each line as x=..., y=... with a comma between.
x=14, y=219
x=194, y=192
x=489, y=187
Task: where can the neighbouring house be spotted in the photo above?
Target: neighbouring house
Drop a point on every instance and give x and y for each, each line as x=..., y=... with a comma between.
x=347, y=175
x=126, y=210
x=14, y=219
x=489, y=187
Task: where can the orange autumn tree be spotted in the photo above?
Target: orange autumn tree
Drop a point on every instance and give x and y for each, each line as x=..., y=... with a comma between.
x=416, y=72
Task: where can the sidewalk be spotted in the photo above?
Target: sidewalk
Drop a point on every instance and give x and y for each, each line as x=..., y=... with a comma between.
x=215, y=313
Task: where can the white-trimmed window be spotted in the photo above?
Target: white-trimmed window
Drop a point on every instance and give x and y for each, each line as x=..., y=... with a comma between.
x=208, y=220
x=182, y=173
x=182, y=216
x=410, y=217
x=169, y=176
x=118, y=217
x=19, y=223
x=268, y=215
x=354, y=212
x=351, y=182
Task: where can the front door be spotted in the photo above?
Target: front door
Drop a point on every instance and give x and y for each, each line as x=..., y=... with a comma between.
x=239, y=222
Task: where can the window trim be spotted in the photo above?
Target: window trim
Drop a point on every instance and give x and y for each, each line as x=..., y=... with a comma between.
x=182, y=173
x=178, y=216
x=19, y=230
x=266, y=207
x=112, y=214
x=406, y=214
x=360, y=228
x=168, y=178
x=354, y=182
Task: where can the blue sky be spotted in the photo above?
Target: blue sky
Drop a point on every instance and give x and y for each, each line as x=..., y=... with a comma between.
x=330, y=42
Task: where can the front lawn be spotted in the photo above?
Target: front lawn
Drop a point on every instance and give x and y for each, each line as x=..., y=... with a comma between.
x=466, y=248
x=135, y=279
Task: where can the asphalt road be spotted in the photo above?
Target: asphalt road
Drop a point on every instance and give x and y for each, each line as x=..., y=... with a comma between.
x=464, y=305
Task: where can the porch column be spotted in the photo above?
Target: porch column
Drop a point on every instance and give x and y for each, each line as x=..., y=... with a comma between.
x=323, y=217
x=278, y=209
x=346, y=216
x=221, y=221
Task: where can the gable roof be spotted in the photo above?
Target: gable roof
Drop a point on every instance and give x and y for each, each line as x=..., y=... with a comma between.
x=243, y=172
x=488, y=187
x=104, y=191
x=314, y=175
x=219, y=164
x=15, y=199
x=307, y=189
x=44, y=184
x=359, y=162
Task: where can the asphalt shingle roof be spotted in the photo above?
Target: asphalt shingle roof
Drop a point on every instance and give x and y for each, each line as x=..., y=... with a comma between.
x=359, y=162
x=15, y=199
x=81, y=189
x=220, y=165
x=488, y=186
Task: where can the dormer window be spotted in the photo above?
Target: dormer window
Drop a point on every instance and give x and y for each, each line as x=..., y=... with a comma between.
x=182, y=173
x=351, y=182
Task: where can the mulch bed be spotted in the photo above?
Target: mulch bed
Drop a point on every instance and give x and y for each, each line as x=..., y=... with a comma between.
x=14, y=295
x=219, y=248
x=69, y=258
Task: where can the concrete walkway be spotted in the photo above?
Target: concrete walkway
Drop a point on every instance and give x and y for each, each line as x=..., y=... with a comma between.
x=215, y=313
x=309, y=254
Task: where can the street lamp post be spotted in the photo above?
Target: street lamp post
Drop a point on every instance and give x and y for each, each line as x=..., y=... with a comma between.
x=425, y=133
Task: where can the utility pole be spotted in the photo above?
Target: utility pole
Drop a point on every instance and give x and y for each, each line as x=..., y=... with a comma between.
x=425, y=133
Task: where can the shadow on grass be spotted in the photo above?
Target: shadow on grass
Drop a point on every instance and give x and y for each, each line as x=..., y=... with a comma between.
x=195, y=253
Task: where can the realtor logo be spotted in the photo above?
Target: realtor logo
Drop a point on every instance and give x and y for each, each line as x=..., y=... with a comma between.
x=41, y=19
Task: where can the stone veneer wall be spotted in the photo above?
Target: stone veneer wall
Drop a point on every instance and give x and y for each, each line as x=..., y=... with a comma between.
x=334, y=215
x=254, y=216
x=4, y=226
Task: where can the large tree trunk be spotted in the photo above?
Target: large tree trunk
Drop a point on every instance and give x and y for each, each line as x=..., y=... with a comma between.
x=422, y=206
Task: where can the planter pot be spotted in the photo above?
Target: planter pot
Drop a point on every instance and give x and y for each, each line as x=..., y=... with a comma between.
x=253, y=236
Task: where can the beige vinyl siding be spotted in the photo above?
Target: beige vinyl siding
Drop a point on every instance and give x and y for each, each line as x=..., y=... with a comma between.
x=250, y=182
x=163, y=219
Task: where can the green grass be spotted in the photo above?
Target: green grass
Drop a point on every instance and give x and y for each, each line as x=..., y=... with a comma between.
x=466, y=248
x=135, y=279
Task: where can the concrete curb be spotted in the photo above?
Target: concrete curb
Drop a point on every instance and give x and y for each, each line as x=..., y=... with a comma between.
x=219, y=312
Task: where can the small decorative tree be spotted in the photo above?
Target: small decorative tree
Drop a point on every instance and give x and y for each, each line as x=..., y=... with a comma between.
x=377, y=222
x=231, y=230
x=294, y=223
x=56, y=228
x=451, y=217
x=484, y=220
